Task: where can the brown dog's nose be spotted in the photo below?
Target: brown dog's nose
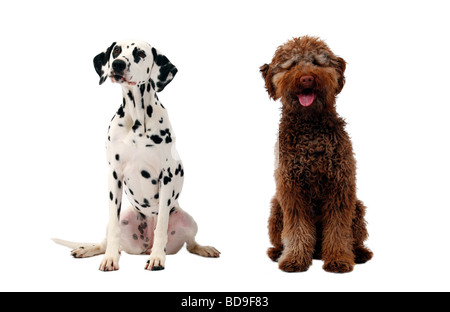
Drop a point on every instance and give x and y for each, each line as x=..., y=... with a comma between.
x=306, y=81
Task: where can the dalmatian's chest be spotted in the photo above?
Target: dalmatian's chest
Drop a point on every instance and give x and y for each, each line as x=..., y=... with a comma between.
x=144, y=158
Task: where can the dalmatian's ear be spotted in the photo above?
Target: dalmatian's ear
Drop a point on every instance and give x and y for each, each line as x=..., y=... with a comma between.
x=163, y=71
x=101, y=63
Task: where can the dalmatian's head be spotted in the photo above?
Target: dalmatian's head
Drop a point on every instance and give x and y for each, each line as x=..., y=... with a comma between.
x=133, y=63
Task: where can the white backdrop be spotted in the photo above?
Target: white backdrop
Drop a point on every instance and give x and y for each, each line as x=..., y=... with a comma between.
x=55, y=118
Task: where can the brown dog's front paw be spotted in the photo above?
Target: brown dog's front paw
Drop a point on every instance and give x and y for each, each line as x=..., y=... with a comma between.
x=293, y=265
x=274, y=253
x=338, y=266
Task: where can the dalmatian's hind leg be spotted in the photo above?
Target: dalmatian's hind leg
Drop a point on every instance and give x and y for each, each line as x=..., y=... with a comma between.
x=83, y=250
x=183, y=229
x=204, y=251
x=193, y=247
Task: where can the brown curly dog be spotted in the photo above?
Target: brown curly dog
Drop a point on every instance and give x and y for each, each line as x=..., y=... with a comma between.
x=315, y=212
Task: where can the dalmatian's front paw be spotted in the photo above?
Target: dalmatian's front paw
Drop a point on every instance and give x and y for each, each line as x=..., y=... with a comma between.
x=110, y=263
x=156, y=262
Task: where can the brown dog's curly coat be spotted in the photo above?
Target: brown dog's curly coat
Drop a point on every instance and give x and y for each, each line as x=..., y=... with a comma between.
x=315, y=212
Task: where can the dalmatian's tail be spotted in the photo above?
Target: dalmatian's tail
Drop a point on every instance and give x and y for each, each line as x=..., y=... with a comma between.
x=72, y=245
x=83, y=250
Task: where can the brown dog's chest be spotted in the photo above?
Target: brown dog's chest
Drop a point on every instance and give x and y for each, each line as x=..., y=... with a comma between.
x=310, y=153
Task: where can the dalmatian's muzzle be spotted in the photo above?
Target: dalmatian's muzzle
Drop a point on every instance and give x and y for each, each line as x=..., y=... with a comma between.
x=118, y=73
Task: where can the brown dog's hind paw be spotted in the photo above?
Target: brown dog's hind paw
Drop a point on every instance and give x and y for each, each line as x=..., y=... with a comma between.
x=362, y=255
x=274, y=253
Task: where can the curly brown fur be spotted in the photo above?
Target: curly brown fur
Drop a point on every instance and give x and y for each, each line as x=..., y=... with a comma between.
x=315, y=212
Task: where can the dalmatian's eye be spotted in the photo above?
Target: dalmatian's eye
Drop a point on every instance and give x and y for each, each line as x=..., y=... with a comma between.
x=116, y=52
x=141, y=54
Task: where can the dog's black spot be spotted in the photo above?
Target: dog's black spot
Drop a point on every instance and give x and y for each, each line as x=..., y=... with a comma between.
x=120, y=112
x=154, y=182
x=149, y=111
x=156, y=196
x=135, y=237
x=131, y=97
x=152, y=83
x=145, y=174
x=168, y=202
x=161, y=120
x=118, y=211
x=119, y=184
x=178, y=169
x=117, y=157
x=156, y=138
x=135, y=55
x=136, y=125
x=142, y=227
x=111, y=195
x=142, y=89
x=115, y=175
x=167, y=180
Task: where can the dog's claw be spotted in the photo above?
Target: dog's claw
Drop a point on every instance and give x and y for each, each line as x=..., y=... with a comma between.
x=155, y=263
x=109, y=263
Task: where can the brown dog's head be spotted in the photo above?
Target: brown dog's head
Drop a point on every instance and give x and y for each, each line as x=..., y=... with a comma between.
x=305, y=74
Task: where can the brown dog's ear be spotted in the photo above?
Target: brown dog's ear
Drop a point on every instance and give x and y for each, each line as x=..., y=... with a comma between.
x=267, y=75
x=341, y=64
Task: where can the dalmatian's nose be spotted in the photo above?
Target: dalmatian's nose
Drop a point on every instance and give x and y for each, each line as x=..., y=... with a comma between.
x=119, y=66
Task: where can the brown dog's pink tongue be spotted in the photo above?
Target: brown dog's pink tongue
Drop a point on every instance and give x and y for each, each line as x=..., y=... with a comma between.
x=306, y=99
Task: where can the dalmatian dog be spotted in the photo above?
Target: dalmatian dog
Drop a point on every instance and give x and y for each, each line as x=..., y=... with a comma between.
x=144, y=164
